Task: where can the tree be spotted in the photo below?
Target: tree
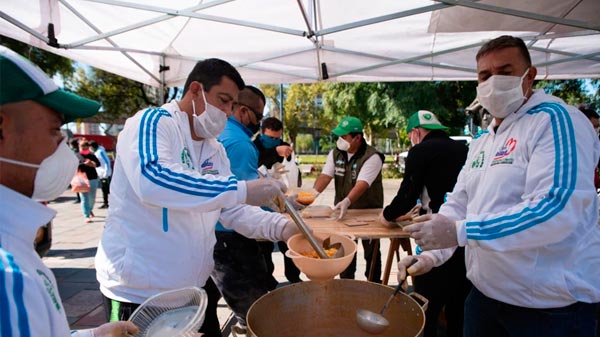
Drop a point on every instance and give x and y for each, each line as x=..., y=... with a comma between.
x=571, y=91
x=303, y=111
x=120, y=97
x=51, y=64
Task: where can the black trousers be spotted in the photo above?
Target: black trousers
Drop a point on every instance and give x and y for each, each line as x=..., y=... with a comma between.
x=446, y=287
x=292, y=273
x=121, y=311
x=368, y=246
x=105, y=186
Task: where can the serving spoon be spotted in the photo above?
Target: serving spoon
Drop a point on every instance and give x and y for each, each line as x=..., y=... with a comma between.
x=374, y=323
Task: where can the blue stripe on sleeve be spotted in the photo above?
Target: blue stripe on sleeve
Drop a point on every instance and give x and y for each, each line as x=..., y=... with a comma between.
x=5, y=327
x=564, y=180
x=163, y=176
x=17, y=296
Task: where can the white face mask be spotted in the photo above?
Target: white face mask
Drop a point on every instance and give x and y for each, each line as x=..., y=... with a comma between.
x=501, y=95
x=211, y=122
x=54, y=173
x=342, y=144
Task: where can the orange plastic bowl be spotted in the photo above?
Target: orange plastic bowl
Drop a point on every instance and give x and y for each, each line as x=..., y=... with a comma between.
x=320, y=269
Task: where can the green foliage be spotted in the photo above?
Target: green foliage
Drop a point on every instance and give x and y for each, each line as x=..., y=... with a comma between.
x=120, y=97
x=573, y=92
x=304, y=143
x=51, y=64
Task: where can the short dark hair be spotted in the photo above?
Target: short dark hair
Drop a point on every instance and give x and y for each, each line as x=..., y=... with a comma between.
x=248, y=96
x=505, y=41
x=210, y=72
x=271, y=123
x=93, y=144
x=588, y=111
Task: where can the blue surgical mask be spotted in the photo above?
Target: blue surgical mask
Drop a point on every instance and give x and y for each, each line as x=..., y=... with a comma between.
x=269, y=142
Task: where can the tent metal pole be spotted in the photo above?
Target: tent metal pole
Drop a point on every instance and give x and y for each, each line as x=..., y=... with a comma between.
x=568, y=59
x=522, y=14
x=91, y=25
x=379, y=19
x=560, y=52
x=23, y=27
x=129, y=50
x=161, y=88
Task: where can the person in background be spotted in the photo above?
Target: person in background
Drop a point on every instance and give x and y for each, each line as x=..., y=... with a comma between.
x=87, y=164
x=240, y=271
x=272, y=150
x=355, y=168
x=171, y=184
x=524, y=207
x=104, y=171
x=35, y=165
x=74, y=144
x=431, y=169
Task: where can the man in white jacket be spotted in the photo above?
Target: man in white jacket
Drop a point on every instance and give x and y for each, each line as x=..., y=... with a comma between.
x=171, y=184
x=35, y=165
x=525, y=208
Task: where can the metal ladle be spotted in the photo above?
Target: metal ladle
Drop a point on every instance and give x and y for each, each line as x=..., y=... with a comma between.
x=374, y=323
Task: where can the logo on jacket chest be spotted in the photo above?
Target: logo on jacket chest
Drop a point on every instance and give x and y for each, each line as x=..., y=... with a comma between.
x=503, y=156
x=478, y=161
x=208, y=167
x=186, y=158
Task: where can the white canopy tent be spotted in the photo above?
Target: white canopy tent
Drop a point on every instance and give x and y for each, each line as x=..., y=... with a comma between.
x=283, y=41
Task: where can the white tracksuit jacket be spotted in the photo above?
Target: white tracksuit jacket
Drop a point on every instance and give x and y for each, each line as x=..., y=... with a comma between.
x=527, y=210
x=167, y=194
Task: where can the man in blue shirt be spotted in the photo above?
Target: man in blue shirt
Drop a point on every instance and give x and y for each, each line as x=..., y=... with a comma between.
x=240, y=270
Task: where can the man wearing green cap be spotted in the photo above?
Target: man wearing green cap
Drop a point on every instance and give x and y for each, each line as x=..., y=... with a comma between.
x=432, y=166
x=35, y=165
x=356, y=167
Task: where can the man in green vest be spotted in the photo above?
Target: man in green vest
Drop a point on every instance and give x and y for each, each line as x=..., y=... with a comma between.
x=356, y=168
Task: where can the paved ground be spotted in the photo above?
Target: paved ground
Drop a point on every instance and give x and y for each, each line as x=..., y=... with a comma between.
x=74, y=246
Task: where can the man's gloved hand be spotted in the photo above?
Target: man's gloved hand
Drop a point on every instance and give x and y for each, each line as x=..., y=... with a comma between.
x=284, y=150
x=266, y=192
x=289, y=229
x=277, y=170
x=343, y=207
x=115, y=329
x=292, y=199
x=423, y=264
x=433, y=231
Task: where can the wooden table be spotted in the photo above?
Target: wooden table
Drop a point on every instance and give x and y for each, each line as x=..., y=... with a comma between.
x=369, y=228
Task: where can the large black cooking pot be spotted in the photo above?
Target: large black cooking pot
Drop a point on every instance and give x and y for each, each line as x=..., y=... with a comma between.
x=328, y=309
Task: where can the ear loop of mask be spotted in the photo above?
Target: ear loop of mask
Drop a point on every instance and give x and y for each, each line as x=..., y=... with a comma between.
x=17, y=162
x=194, y=103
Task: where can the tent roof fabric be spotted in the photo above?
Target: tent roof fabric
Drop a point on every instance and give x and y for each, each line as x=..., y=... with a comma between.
x=276, y=41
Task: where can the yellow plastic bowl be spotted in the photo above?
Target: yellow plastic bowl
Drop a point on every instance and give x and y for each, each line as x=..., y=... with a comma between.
x=320, y=269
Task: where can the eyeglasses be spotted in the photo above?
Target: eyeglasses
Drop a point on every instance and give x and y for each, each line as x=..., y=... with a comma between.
x=259, y=116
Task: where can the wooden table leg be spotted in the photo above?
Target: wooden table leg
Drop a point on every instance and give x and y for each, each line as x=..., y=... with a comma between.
x=375, y=248
x=394, y=244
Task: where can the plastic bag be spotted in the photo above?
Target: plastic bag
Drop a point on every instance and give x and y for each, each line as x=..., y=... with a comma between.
x=80, y=183
x=291, y=177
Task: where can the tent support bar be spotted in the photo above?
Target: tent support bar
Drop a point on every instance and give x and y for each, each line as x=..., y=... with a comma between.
x=23, y=26
x=161, y=87
x=410, y=59
x=310, y=33
x=191, y=14
x=379, y=19
x=522, y=14
x=568, y=59
x=560, y=52
x=128, y=50
x=276, y=56
x=96, y=29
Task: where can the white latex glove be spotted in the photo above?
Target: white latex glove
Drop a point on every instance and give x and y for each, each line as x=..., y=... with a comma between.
x=292, y=200
x=423, y=264
x=266, y=192
x=433, y=231
x=290, y=228
x=343, y=207
x=277, y=170
x=115, y=329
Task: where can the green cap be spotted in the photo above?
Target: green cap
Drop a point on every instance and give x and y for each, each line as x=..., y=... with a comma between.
x=21, y=80
x=425, y=119
x=348, y=125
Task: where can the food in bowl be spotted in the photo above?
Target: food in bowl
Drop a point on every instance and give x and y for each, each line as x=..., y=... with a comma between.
x=313, y=254
x=306, y=198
